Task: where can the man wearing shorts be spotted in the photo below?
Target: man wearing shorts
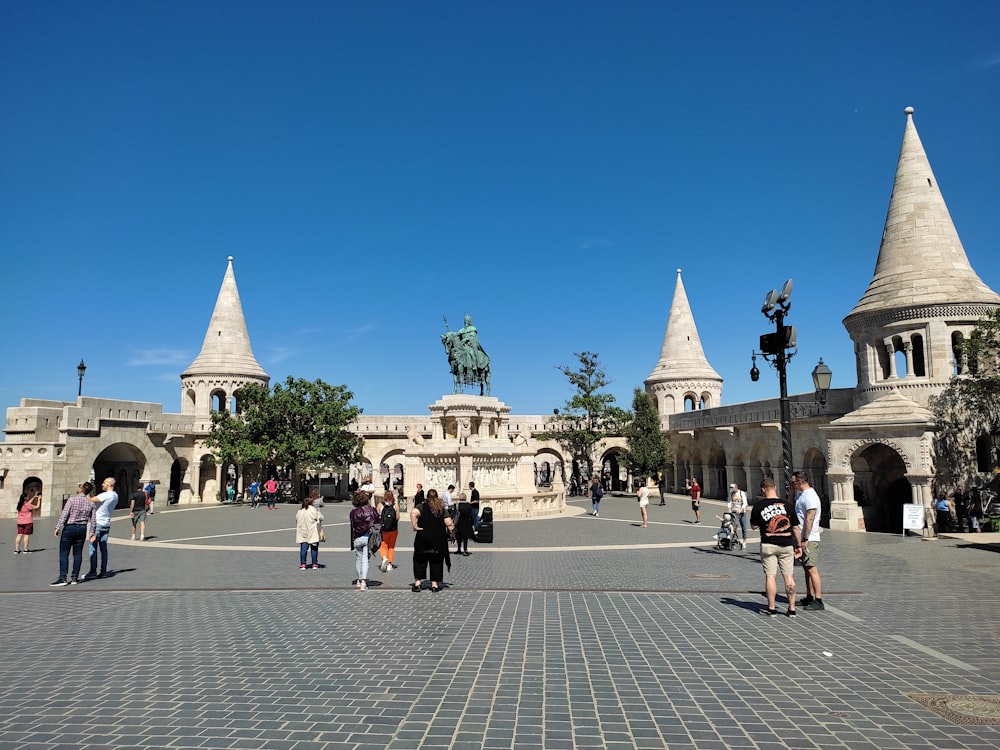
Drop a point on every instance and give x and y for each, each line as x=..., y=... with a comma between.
x=696, y=500
x=780, y=544
x=137, y=512
x=807, y=508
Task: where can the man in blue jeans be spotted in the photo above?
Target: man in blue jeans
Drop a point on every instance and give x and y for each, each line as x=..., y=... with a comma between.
x=75, y=521
x=105, y=503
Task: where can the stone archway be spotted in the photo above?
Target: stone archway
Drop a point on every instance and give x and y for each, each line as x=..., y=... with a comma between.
x=716, y=480
x=125, y=464
x=614, y=475
x=881, y=487
x=814, y=463
x=178, y=471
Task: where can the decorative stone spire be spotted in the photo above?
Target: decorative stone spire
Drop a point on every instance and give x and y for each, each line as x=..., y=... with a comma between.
x=921, y=260
x=226, y=361
x=682, y=371
x=924, y=297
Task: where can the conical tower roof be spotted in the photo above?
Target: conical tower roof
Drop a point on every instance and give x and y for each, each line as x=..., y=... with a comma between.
x=681, y=355
x=921, y=260
x=226, y=350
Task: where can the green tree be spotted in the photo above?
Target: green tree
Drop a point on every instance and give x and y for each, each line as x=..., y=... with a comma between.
x=301, y=423
x=648, y=450
x=590, y=415
x=968, y=410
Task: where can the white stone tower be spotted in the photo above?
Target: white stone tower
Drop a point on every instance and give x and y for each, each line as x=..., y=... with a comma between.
x=924, y=296
x=226, y=362
x=682, y=380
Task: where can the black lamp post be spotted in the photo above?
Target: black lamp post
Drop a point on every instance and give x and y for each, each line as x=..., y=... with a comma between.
x=80, y=370
x=778, y=348
x=822, y=375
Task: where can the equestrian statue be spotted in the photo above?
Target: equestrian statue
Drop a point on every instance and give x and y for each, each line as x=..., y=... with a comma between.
x=470, y=364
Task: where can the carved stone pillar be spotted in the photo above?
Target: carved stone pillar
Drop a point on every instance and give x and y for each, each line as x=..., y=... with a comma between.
x=196, y=480
x=890, y=351
x=845, y=513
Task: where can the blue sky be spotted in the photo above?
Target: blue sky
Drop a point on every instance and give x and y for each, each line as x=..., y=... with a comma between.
x=544, y=166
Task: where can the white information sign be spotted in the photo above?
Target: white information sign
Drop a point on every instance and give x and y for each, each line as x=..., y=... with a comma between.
x=913, y=516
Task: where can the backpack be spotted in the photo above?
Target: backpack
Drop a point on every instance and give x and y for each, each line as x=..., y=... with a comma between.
x=374, y=534
x=390, y=520
x=151, y=491
x=598, y=491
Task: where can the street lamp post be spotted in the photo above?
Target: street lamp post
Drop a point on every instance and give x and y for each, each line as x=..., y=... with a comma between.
x=80, y=370
x=822, y=375
x=778, y=348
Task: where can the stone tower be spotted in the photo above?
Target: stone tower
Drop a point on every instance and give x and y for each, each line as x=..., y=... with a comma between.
x=924, y=296
x=226, y=362
x=682, y=379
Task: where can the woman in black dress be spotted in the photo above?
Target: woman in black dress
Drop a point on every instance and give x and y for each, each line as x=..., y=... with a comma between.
x=430, y=545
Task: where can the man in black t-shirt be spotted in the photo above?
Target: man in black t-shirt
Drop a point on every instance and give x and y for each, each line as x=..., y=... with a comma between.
x=780, y=544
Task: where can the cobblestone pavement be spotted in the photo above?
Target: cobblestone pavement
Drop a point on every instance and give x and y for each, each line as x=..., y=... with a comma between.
x=568, y=632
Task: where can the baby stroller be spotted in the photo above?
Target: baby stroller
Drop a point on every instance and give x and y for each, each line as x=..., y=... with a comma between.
x=728, y=536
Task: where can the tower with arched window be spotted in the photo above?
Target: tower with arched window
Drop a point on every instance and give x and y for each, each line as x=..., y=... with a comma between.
x=226, y=362
x=682, y=380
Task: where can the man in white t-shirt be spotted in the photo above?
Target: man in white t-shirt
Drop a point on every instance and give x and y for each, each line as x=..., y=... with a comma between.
x=106, y=502
x=807, y=508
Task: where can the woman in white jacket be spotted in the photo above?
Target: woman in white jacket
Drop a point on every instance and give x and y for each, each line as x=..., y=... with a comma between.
x=309, y=531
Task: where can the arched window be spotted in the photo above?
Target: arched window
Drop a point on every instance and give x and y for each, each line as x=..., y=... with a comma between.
x=958, y=356
x=219, y=401
x=917, y=356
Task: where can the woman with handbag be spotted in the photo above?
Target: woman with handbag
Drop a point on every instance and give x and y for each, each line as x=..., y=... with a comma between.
x=309, y=531
x=364, y=518
x=433, y=527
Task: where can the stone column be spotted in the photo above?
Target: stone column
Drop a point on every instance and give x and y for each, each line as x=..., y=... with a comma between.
x=845, y=513
x=908, y=351
x=922, y=495
x=891, y=351
x=196, y=479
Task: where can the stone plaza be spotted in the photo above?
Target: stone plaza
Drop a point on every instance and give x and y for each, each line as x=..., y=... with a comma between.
x=569, y=632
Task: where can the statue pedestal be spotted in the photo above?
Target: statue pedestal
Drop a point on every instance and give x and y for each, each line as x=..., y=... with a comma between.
x=470, y=443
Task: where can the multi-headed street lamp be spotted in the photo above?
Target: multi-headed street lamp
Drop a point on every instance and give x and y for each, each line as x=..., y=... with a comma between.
x=778, y=348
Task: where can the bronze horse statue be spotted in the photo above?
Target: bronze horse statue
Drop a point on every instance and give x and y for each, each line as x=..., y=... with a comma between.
x=470, y=365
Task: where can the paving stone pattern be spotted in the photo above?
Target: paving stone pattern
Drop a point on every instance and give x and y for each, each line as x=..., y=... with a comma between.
x=575, y=632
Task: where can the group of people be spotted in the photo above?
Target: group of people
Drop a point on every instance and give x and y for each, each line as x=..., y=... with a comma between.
x=958, y=510
x=435, y=523
x=86, y=519
x=269, y=490
x=789, y=531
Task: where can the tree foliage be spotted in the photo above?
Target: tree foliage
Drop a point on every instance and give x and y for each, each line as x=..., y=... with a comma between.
x=301, y=423
x=648, y=450
x=591, y=414
x=969, y=408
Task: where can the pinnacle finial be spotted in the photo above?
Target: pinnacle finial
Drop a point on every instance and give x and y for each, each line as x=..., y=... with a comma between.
x=230, y=258
x=908, y=111
x=678, y=272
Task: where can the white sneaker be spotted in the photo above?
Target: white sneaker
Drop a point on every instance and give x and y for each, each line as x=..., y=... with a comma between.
x=142, y=538
x=132, y=537
x=381, y=565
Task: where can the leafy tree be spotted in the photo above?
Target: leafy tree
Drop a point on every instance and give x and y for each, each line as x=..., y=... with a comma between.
x=591, y=415
x=968, y=410
x=301, y=424
x=648, y=450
